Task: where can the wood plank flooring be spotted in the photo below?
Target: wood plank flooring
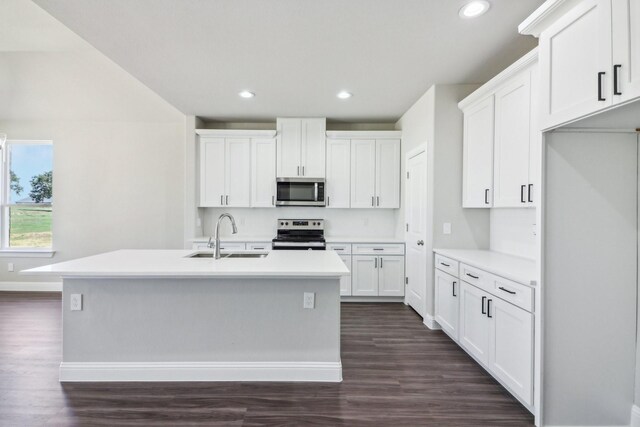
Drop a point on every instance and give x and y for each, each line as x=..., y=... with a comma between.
x=396, y=373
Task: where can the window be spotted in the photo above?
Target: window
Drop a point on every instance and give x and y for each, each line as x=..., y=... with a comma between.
x=27, y=195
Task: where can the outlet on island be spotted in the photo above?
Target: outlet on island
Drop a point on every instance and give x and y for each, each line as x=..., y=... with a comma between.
x=309, y=300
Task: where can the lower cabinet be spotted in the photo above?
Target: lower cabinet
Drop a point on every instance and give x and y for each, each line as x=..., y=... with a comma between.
x=345, y=281
x=474, y=322
x=378, y=275
x=447, y=294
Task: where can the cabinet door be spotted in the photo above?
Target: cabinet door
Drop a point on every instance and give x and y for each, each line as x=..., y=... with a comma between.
x=391, y=276
x=238, y=172
x=388, y=173
x=511, y=347
x=447, y=292
x=626, y=49
x=474, y=324
x=364, y=273
x=313, y=148
x=363, y=173
x=345, y=281
x=573, y=51
x=477, y=168
x=212, y=175
x=288, y=147
x=338, y=185
x=511, y=144
x=263, y=172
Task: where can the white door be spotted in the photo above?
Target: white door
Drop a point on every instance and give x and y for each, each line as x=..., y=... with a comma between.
x=363, y=173
x=364, y=273
x=238, y=172
x=263, y=172
x=345, y=281
x=447, y=292
x=474, y=322
x=212, y=175
x=388, y=173
x=477, y=163
x=575, y=54
x=391, y=276
x=313, y=148
x=416, y=231
x=511, y=347
x=626, y=49
x=338, y=184
x=288, y=147
x=511, y=146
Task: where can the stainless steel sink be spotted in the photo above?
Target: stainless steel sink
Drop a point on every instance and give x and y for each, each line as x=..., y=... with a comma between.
x=229, y=255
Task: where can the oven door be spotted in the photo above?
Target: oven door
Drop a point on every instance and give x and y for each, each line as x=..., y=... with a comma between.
x=299, y=192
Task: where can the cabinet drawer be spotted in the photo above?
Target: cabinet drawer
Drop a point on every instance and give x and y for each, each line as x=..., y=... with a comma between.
x=341, y=248
x=263, y=246
x=447, y=265
x=378, y=249
x=476, y=277
x=232, y=246
x=200, y=245
x=513, y=292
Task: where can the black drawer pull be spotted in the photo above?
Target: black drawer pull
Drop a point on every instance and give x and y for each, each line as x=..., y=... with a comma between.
x=522, y=187
x=507, y=290
x=453, y=289
x=471, y=275
x=483, y=300
x=446, y=265
x=600, y=76
x=378, y=249
x=486, y=196
x=529, y=197
x=616, y=89
x=489, y=309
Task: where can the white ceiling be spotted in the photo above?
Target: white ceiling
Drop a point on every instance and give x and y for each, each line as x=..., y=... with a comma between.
x=297, y=54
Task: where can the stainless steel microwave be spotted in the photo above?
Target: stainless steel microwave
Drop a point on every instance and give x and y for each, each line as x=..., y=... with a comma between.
x=300, y=192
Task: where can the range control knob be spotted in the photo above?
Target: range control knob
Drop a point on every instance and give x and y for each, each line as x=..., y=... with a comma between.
x=281, y=223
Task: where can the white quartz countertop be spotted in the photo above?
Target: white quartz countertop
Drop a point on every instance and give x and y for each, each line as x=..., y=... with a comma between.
x=329, y=239
x=521, y=270
x=174, y=263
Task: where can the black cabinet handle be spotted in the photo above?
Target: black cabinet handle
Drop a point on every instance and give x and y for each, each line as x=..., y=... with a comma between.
x=453, y=289
x=483, y=300
x=489, y=309
x=616, y=90
x=471, y=275
x=600, y=75
x=446, y=265
x=486, y=196
x=529, y=195
x=522, y=187
x=380, y=262
x=507, y=290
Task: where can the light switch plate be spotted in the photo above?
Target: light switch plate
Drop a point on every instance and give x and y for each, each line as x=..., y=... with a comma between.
x=446, y=228
x=76, y=302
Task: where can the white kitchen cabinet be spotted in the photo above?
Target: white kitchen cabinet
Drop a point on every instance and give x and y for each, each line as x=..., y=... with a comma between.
x=263, y=172
x=338, y=184
x=391, y=276
x=301, y=147
x=626, y=49
x=375, y=173
x=225, y=172
x=474, y=322
x=363, y=173
x=576, y=63
x=345, y=281
x=377, y=275
x=511, y=347
x=447, y=304
x=477, y=171
x=512, y=185
x=364, y=274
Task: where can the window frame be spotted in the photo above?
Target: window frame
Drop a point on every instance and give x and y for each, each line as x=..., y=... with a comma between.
x=5, y=205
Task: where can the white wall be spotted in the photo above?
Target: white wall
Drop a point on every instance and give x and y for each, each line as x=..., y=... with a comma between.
x=118, y=148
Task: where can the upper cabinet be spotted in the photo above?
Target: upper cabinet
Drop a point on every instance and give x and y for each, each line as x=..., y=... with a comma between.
x=301, y=147
x=501, y=143
x=589, y=57
x=237, y=168
x=338, y=184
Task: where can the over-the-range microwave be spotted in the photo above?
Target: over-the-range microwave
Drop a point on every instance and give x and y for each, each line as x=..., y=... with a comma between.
x=300, y=192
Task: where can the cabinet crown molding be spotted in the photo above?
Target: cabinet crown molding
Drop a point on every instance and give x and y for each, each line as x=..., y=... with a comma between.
x=488, y=88
x=355, y=134
x=230, y=133
x=545, y=15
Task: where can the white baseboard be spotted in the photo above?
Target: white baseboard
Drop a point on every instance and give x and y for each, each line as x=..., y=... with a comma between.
x=31, y=286
x=430, y=322
x=635, y=416
x=201, y=371
x=371, y=299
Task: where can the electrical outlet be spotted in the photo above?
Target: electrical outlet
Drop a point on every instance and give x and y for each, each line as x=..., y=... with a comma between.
x=446, y=228
x=76, y=302
x=10, y=266
x=309, y=300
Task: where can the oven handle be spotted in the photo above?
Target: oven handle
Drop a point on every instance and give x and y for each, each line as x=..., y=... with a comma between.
x=298, y=244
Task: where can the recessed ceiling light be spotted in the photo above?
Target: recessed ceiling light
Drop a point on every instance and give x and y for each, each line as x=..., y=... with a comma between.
x=344, y=95
x=247, y=94
x=474, y=9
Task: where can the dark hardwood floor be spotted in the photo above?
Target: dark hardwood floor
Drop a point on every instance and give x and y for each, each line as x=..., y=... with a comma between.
x=396, y=373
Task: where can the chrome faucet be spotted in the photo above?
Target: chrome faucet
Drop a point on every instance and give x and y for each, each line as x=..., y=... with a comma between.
x=216, y=235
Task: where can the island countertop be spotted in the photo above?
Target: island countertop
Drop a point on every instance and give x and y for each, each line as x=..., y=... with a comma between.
x=176, y=263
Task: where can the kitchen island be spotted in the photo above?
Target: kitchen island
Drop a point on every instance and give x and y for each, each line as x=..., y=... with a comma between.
x=162, y=315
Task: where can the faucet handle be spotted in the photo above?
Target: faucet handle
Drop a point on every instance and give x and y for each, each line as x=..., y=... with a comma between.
x=210, y=244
